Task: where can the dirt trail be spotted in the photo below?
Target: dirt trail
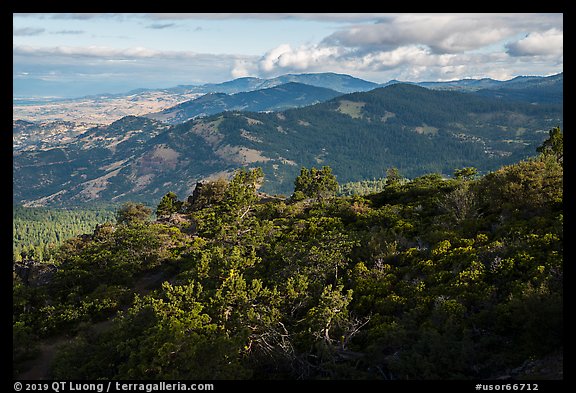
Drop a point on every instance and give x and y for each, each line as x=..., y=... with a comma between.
x=40, y=366
x=149, y=281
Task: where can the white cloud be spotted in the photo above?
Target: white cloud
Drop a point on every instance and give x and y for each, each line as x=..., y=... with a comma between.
x=27, y=31
x=319, y=17
x=133, y=67
x=411, y=54
x=108, y=53
x=426, y=47
x=328, y=17
x=160, y=26
x=243, y=68
x=70, y=32
x=376, y=47
x=411, y=60
x=550, y=42
x=284, y=57
x=270, y=60
x=443, y=33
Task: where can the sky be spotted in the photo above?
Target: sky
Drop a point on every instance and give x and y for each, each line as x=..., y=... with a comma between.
x=67, y=55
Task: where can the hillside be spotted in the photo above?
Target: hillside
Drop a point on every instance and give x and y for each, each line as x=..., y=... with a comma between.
x=28, y=135
x=101, y=109
x=430, y=279
x=534, y=89
x=360, y=135
x=339, y=82
x=288, y=95
x=542, y=90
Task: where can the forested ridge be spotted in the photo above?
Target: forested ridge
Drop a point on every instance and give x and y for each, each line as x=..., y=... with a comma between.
x=37, y=232
x=431, y=278
x=359, y=135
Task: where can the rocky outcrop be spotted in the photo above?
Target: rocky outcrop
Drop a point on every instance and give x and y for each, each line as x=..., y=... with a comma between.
x=33, y=273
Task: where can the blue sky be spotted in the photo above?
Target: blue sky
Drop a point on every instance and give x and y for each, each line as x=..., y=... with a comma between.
x=78, y=54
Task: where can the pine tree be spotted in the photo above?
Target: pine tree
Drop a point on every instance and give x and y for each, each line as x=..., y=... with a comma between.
x=318, y=184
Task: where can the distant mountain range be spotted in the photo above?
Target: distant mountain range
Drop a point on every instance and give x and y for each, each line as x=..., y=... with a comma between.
x=340, y=82
x=536, y=89
x=284, y=96
x=181, y=103
x=253, y=95
x=348, y=84
x=360, y=135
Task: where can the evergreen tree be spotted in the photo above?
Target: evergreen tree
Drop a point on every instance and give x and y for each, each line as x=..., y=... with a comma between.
x=169, y=204
x=318, y=184
x=467, y=173
x=393, y=177
x=432, y=279
x=554, y=145
x=133, y=212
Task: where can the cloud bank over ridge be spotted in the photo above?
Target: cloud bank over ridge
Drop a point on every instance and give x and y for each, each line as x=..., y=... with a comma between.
x=198, y=48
